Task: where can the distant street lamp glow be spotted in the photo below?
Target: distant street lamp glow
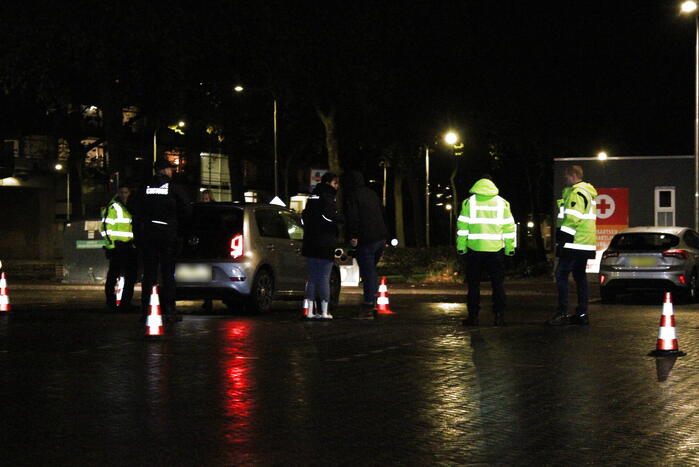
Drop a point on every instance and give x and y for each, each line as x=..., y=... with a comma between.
x=602, y=156
x=530, y=224
x=689, y=6
x=451, y=138
x=58, y=166
x=238, y=88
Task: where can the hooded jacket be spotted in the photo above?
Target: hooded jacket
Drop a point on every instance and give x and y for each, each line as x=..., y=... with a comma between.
x=485, y=223
x=320, y=223
x=363, y=211
x=577, y=233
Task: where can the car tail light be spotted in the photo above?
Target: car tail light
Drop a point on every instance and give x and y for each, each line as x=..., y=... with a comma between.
x=602, y=278
x=683, y=279
x=681, y=254
x=610, y=254
x=237, y=246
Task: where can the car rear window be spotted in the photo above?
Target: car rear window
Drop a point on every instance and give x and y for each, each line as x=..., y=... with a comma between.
x=217, y=218
x=209, y=233
x=644, y=242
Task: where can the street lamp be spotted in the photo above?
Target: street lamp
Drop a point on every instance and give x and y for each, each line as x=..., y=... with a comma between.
x=602, y=156
x=691, y=7
x=240, y=88
x=450, y=138
x=177, y=128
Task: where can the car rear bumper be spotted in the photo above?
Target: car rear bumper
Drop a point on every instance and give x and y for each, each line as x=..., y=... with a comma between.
x=653, y=280
x=228, y=280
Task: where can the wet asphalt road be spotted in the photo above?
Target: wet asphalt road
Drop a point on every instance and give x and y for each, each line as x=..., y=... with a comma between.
x=83, y=387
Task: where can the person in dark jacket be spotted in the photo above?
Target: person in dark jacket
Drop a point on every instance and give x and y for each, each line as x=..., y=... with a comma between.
x=366, y=230
x=320, y=231
x=161, y=206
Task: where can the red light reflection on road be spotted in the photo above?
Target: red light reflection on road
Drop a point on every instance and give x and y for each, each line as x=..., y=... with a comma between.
x=237, y=402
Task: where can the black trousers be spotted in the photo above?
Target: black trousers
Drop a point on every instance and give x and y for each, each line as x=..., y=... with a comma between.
x=494, y=264
x=159, y=253
x=576, y=266
x=123, y=261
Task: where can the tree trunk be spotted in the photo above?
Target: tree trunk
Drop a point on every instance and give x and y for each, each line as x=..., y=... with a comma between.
x=329, y=123
x=398, y=202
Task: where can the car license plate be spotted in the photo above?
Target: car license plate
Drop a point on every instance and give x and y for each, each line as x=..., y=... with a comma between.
x=193, y=273
x=642, y=261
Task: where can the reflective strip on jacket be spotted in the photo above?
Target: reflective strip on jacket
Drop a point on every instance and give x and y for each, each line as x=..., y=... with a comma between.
x=580, y=217
x=116, y=224
x=486, y=225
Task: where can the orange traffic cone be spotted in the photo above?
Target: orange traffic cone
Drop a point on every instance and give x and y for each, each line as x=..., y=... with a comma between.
x=154, y=322
x=382, y=301
x=4, y=298
x=119, y=289
x=667, y=339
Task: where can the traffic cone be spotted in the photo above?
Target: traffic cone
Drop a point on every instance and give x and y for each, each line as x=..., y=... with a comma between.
x=667, y=338
x=4, y=298
x=382, y=301
x=119, y=289
x=308, y=308
x=154, y=321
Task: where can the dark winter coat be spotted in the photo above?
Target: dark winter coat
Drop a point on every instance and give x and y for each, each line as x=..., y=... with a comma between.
x=161, y=206
x=364, y=215
x=320, y=223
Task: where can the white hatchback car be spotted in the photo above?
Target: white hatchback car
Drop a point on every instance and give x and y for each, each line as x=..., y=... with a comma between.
x=245, y=254
x=651, y=258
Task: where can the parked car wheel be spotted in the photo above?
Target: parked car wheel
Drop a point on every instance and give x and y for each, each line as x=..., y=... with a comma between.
x=607, y=295
x=262, y=294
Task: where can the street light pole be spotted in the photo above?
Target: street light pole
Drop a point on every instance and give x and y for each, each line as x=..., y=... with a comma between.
x=690, y=6
x=68, y=192
x=276, y=155
x=240, y=89
x=696, y=123
x=427, y=196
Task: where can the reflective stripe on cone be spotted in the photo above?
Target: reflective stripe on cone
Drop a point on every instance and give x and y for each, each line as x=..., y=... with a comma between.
x=154, y=322
x=667, y=344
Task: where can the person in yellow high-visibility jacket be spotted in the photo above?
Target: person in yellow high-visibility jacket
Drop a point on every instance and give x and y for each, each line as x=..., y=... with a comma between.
x=576, y=242
x=119, y=246
x=485, y=234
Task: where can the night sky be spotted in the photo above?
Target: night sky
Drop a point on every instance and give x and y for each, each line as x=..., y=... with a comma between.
x=568, y=78
x=576, y=76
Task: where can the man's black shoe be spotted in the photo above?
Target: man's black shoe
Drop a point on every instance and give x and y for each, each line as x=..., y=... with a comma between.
x=559, y=319
x=582, y=319
x=471, y=320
